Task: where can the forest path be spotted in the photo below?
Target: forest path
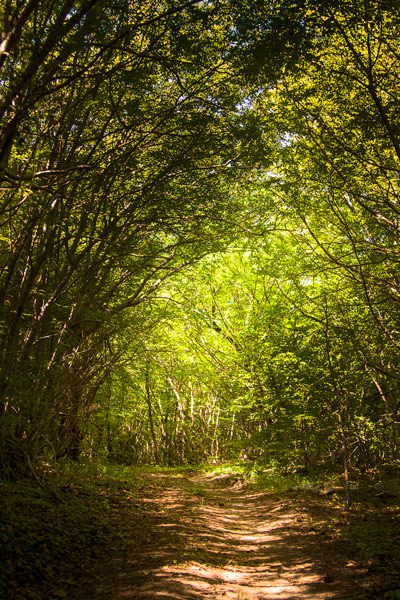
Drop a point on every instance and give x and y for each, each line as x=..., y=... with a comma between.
x=210, y=537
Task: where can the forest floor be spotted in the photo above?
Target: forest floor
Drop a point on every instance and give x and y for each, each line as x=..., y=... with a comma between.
x=194, y=535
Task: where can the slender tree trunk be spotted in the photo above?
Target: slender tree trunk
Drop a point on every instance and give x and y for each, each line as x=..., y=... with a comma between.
x=342, y=432
x=345, y=453
x=150, y=411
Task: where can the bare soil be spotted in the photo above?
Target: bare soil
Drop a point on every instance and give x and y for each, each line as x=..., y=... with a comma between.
x=212, y=537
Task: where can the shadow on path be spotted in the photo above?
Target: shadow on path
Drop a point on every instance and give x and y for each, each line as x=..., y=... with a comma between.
x=211, y=538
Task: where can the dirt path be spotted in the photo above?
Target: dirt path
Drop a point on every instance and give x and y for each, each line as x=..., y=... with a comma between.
x=210, y=537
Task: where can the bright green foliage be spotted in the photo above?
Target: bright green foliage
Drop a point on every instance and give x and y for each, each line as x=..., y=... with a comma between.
x=199, y=231
x=118, y=145
x=253, y=366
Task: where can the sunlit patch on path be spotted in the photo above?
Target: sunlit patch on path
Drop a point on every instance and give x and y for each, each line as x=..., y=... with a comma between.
x=211, y=541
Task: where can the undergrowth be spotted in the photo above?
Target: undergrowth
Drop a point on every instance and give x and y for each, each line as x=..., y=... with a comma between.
x=49, y=532
x=262, y=477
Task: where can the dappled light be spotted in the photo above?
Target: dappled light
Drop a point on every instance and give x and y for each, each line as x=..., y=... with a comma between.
x=229, y=542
